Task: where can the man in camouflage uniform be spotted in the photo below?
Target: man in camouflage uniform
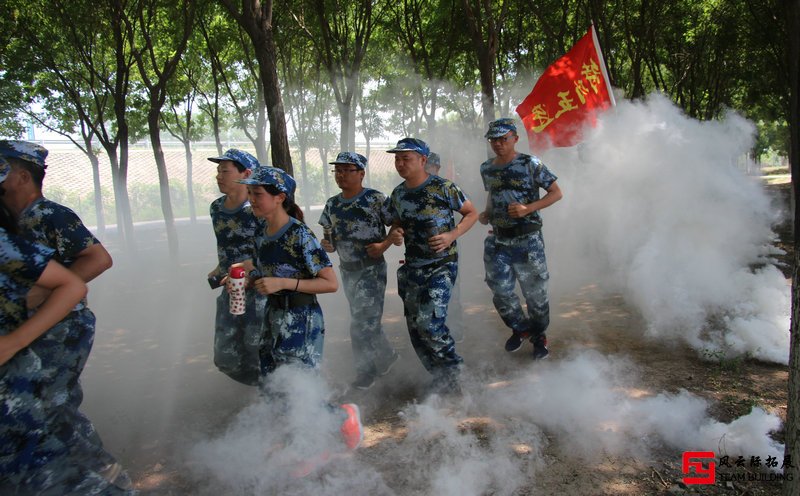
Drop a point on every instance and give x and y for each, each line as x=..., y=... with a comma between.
x=355, y=218
x=421, y=210
x=65, y=348
x=514, y=252
x=237, y=338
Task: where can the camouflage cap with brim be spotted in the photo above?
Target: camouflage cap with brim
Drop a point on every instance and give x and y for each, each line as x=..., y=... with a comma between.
x=411, y=145
x=24, y=150
x=241, y=157
x=356, y=159
x=501, y=127
x=274, y=176
x=434, y=160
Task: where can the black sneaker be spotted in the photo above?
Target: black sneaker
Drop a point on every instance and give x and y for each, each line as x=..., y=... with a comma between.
x=540, y=350
x=363, y=382
x=388, y=364
x=515, y=341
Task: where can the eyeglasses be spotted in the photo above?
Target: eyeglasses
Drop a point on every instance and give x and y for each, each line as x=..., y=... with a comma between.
x=501, y=139
x=343, y=171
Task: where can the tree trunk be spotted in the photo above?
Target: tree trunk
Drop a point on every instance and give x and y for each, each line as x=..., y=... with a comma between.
x=187, y=148
x=163, y=182
x=791, y=485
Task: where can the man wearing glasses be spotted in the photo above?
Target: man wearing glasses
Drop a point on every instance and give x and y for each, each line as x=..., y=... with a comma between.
x=514, y=252
x=356, y=223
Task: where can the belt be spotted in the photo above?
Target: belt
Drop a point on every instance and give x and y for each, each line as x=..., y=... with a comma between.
x=290, y=300
x=360, y=264
x=441, y=261
x=513, y=232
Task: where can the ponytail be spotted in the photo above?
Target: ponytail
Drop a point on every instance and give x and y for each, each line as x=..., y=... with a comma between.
x=289, y=205
x=293, y=209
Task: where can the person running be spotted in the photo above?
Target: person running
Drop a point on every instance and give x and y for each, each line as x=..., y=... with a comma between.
x=357, y=225
x=291, y=268
x=514, y=252
x=66, y=347
x=41, y=446
x=421, y=211
x=237, y=338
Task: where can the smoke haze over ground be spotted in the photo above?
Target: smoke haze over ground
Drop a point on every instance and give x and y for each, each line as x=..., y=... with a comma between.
x=655, y=210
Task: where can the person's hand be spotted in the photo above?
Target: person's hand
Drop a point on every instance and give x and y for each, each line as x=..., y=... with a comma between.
x=36, y=297
x=483, y=217
x=442, y=241
x=269, y=285
x=396, y=235
x=375, y=250
x=327, y=246
x=518, y=210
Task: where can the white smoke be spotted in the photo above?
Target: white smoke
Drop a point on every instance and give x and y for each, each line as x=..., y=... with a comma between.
x=492, y=441
x=655, y=207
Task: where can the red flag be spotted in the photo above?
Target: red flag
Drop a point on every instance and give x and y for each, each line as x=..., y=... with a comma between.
x=567, y=96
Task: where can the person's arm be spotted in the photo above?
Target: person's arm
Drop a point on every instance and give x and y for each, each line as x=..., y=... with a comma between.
x=469, y=216
x=324, y=282
x=393, y=237
x=91, y=262
x=517, y=210
x=66, y=290
x=484, y=216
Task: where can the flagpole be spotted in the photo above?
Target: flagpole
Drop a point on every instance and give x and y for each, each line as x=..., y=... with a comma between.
x=603, y=65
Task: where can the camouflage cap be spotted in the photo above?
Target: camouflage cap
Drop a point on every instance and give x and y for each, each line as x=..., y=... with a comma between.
x=411, y=145
x=24, y=150
x=272, y=175
x=356, y=159
x=240, y=157
x=501, y=127
x=434, y=160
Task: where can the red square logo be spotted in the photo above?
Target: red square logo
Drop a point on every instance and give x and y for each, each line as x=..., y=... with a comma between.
x=693, y=461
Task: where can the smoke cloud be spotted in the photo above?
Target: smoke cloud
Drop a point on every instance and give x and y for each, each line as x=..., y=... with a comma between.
x=656, y=208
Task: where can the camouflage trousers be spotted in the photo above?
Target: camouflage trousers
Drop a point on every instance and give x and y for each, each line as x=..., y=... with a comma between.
x=292, y=336
x=365, y=290
x=425, y=292
x=237, y=338
x=520, y=259
x=48, y=446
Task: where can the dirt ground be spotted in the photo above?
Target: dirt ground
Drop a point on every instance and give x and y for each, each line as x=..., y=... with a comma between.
x=152, y=390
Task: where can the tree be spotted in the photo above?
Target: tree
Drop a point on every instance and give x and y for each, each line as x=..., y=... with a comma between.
x=343, y=35
x=255, y=17
x=163, y=32
x=483, y=25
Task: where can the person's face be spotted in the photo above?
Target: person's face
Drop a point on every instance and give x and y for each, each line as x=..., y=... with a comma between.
x=504, y=144
x=262, y=202
x=409, y=163
x=347, y=176
x=432, y=169
x=227, y=175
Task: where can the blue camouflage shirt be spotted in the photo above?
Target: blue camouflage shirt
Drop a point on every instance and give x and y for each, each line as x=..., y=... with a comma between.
x=423, y=212
x=21, y=264
x=236, y=231
x=293, y=252
x=56, y=226
x=357, y=222
x=518, y=181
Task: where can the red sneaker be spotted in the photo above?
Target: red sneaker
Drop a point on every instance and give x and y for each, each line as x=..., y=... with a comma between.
x=352, y=430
